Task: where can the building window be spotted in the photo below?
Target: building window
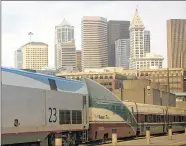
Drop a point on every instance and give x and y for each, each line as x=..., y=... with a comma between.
x=101, y=77
x=96, y=77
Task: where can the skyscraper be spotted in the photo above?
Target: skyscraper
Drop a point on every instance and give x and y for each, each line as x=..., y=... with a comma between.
x=18, y=58
x=64, y=46
x=116, y=30
x=138, y=57
x=176, y=43
x=66, y=55
x=136, y=40
x=147, y=41
x=94, y=42
x=78, y=60
x=122, y=53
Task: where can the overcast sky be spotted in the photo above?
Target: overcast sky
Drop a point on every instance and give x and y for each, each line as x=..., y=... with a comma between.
x=19, y=18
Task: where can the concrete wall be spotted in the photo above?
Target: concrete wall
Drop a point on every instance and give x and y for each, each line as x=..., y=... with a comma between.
x=135, y=84
x=139, y=95
x=152, y=96
x=165, y=98
x=181, y=104
x=134, y=95
x=156, y=97
x=172, y=99
x=168, y=99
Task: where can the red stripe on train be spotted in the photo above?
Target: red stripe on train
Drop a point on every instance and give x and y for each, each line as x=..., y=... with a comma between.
x=42, y=131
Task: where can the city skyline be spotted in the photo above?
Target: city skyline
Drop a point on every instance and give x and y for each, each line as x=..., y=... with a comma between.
x=15, y=26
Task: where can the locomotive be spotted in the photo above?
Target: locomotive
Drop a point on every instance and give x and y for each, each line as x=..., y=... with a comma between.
x=36, y=108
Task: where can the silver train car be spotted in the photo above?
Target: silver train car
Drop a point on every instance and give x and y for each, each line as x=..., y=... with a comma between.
x=36, y=108
x=157, y=118
x=129, y=119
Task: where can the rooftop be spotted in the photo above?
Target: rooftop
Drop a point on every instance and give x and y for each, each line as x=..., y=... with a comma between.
x=152, y=55
x=136, y=21
x=35, y=43
x=65, y=23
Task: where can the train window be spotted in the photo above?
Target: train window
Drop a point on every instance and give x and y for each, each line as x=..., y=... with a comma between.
x=162, y=118
x=76, y=117
x=174, y=120
x=150, y=120
x=96, y=133
x=158, y=118
x=146, y=118
x=154, y=118
x=169, y=118
x=52, y=84
x=64, y=117
x=182, y=119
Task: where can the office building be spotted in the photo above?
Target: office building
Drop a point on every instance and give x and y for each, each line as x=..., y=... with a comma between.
x=116, y=30
x=147, y=41
x=18, y=58
x=110, y=80
x=150, y=61
x=66, y=55
x=94, y=42
x=64, y=46
x=122, y=53
x=173, y=78
x=34, y=55
x=78, y=60
x=176, y=43
x=167, y=79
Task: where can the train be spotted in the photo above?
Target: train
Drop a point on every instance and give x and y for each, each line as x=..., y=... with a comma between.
x=37, y=108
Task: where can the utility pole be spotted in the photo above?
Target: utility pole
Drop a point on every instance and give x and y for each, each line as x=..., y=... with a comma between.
x=30, y=34
x=168, y=85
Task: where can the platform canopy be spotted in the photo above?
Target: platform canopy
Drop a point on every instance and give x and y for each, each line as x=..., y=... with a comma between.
x=180, y=94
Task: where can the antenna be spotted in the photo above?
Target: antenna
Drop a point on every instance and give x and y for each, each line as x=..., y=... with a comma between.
x=137, y=8
x=30, y=34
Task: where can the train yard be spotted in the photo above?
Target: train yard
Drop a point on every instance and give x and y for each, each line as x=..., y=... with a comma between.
x=50, y=111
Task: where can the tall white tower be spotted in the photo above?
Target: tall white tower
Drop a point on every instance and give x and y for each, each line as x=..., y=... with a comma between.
x=140, y=58
x=147, y=41
x=136, y=40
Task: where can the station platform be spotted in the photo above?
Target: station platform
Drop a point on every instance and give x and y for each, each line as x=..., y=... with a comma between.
x=177, y=140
